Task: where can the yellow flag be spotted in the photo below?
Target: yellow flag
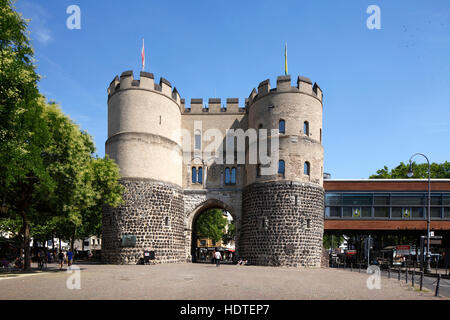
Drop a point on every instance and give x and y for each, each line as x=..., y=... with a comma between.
x=285, y=60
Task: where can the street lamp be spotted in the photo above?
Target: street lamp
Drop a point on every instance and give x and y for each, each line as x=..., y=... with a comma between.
x=410, y=174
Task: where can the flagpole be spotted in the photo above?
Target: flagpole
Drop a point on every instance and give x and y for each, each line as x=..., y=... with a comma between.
x=285, y=60
x=143, y=55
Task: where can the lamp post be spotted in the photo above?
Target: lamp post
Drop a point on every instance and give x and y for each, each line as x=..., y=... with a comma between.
x=410, y=174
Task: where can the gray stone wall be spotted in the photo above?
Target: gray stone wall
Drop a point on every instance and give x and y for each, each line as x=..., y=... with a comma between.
x=282, y=224
x=147, y=205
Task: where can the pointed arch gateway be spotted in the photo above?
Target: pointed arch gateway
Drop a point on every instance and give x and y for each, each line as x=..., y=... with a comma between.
x=193, y=215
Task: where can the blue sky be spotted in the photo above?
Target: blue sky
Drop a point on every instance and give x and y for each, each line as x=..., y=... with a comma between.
x=386, y=92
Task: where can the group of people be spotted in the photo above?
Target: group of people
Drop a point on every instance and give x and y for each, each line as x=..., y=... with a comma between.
x=218, y=257
x=5, y=263
x=62, y=257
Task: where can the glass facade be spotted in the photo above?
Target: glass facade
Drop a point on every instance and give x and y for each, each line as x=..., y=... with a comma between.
x=386, y=205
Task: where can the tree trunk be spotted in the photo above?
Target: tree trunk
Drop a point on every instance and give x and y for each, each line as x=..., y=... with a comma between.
x=72, y=241
x=53, y=243
x=26, y=242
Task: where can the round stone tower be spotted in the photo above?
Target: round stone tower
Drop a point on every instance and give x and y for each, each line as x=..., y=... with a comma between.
x=282, y=219
x=143, y=121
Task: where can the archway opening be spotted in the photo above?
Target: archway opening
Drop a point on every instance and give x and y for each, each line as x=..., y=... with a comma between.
x=213, y=229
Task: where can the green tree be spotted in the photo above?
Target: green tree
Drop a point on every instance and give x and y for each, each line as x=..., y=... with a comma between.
x=230, y=234
x=438, y=171
x=211, y=224
x=332, y=240
x=22, y=130
x=107, y=192
x=49, y=178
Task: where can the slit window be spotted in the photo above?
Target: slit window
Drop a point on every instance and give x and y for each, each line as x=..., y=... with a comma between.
x=282, y=126
x=306, y=128
x=194, y=175
x=281, y=167
x=306, y=168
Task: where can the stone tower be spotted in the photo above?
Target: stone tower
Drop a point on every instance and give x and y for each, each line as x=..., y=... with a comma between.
x=143, y=121
x=279, y=217
x=283, y=213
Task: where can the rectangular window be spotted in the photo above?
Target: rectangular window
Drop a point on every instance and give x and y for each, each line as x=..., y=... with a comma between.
x=333, y=199
x=381, y=212
x=446, y=199
x=357, y=199
x=435, y=212
x=381, y=199
x=396, y=212
x=366, y=212
x=347, y=212
x=417, y=213
x=446, y=213
x=408, y=199
x=435, y=200
x=334, y=212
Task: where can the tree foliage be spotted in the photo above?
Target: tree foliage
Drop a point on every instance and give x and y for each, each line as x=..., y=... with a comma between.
x=332, y=241
x=230, y=234
x=420, y=171
x=50, y=180
x=211, y=224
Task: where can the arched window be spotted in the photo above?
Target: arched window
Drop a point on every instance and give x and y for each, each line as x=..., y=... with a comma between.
x=281, y=167
x=194, y=175
x=227, y=176
x=233, y=176
x=307, y=168
x=306, y=128
x=282, y=126
x=200, y=175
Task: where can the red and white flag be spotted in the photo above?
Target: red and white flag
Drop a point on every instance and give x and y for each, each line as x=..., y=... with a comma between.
x=143, y=55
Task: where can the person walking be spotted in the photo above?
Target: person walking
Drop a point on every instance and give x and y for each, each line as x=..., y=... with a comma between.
x=61, y=259
x=217, y=257
x=69, y=258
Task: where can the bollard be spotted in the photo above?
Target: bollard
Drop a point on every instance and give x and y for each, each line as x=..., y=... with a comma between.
x=412, y=279
x=389, y=272
x=406, y=275
x=398, y=273
x=345, y=265
x=351, y=267
x=437, y=285
x=360, y=268
x=421, y=280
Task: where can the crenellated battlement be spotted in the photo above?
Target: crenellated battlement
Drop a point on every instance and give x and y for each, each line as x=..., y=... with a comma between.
x=214, y=106
x=146, y=82
x=304, y=85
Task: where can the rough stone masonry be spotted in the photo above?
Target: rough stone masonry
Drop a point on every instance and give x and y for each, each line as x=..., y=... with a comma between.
x=279, y=217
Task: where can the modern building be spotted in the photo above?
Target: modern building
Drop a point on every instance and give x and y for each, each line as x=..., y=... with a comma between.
x=391, y=211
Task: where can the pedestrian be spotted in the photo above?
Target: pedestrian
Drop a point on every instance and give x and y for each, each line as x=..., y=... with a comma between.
x=69, y=257
x=217, y=257
x=61, y=259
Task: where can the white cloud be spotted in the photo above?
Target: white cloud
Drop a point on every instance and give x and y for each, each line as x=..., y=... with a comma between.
x=38, y=24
